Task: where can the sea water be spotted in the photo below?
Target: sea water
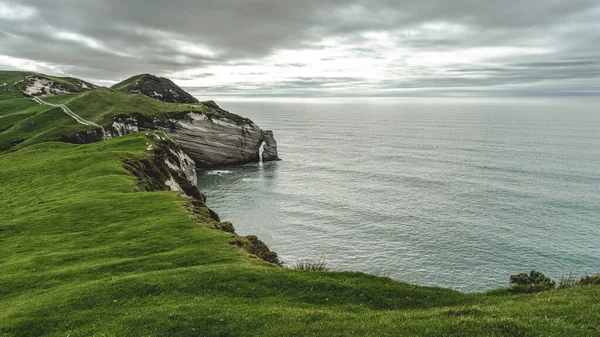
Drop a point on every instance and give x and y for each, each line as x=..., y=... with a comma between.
x=458, y=193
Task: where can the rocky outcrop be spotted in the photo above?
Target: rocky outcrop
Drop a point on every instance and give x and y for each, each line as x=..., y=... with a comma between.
x=210, y=140
x=165, y=167
x=160, y=88
x=270, y=148
x=41, y=86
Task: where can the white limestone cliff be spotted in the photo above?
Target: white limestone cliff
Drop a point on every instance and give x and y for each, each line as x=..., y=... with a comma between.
x=209, y=140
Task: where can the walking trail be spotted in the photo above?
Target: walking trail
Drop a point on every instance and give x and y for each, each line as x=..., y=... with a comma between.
x=70, y=112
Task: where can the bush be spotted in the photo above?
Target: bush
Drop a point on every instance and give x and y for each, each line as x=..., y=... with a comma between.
x=532, y=282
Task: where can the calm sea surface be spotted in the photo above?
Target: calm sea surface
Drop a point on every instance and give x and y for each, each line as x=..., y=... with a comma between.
x=452, y=193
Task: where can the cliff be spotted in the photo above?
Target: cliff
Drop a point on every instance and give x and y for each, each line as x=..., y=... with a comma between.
x=166, y=166
x=210, y=135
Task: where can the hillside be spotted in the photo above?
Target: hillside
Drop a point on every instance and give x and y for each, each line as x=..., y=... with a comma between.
x=93, y=242
x=18, y=84
x=156, y=87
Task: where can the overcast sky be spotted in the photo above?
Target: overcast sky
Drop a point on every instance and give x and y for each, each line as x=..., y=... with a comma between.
x=314, y=47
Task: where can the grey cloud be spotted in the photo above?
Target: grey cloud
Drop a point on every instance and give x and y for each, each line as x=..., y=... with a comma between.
x=244, y=33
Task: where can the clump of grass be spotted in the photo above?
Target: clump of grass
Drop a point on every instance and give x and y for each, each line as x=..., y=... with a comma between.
x=312, y=265
x=590, y=280
x=568, y=280
x=573, y=280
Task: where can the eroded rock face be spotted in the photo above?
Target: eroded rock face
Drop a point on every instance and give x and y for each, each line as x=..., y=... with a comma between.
x=270, y=148
x=209, y=140
x=166, y=166
x=217, y=142
x=41, y=86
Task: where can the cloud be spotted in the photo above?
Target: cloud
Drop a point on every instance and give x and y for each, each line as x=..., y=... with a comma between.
x=304, y=48
x=15, y=12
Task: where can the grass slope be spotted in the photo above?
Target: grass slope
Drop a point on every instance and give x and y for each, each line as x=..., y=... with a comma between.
x=8, y=80
x=130, y=83
x=82, y=253
x=12, y=83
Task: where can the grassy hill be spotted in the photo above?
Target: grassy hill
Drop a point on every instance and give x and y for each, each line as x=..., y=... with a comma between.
x=8, y=82
x=85, y=252
x=156, y=87
x=12, y=83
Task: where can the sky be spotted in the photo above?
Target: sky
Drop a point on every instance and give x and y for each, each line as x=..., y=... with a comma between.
x=314, y=48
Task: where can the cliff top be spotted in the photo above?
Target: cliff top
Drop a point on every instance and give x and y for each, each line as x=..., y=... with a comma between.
x=156, y=87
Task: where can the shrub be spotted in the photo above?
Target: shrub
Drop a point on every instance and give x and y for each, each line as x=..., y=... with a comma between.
x=535, y=281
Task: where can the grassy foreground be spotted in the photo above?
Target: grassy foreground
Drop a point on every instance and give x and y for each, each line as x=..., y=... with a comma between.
x=82, y=253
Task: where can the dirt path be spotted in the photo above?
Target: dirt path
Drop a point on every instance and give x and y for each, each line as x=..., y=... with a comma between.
x=72, y=114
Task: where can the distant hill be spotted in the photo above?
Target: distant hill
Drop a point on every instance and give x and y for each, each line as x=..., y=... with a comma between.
x=17, y=84
x=156, y=87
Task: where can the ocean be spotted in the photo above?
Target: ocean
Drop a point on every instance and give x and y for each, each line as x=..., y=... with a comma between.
x=457, y=193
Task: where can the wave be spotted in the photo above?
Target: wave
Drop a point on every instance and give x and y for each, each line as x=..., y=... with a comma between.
x=218, y=172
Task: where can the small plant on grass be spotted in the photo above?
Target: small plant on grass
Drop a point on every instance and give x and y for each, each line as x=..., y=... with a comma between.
x=318, y=265
x=590, y=280
x=572, y=280
x=569, y=280
x=535, y=281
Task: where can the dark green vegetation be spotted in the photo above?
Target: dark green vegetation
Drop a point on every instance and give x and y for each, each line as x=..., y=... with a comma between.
x=89, y=245
x=532, y=282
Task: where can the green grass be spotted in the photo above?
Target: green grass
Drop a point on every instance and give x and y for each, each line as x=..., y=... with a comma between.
x=82, y=253
x=8, y=90
x=130, y=83
x=101, y=104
